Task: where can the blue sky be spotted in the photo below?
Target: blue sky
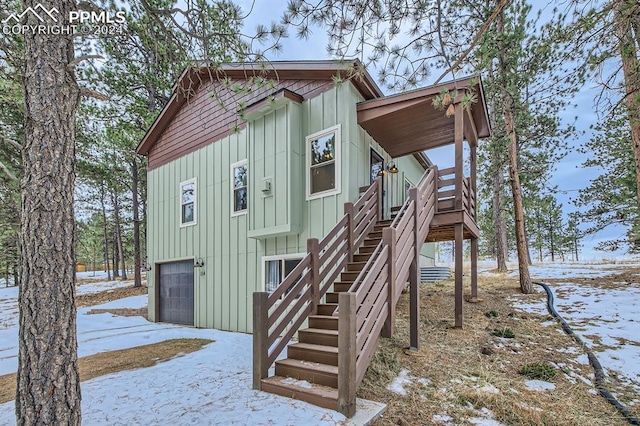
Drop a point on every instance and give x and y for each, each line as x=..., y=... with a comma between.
x=569, y=176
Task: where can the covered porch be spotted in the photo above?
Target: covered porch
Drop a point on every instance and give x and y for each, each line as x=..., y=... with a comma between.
x=452, y=113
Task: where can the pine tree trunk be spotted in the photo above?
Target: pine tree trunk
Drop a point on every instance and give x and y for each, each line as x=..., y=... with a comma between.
x=499, y=222
x=105, y=233
x=625, y=12
x=137, y=279
x=514, y=175
x=48, y=385
x=118, y=229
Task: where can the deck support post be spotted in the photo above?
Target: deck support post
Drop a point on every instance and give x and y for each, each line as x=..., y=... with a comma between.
x=347, y=353
x=414, y=279
x=474, y=269
x=260, y=336
x=389, y=238
x=459, y=253
x=379, y=191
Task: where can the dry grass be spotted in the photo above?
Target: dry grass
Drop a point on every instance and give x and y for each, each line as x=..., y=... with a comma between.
x=109, y=295
x=460, y=362
x=115, y=361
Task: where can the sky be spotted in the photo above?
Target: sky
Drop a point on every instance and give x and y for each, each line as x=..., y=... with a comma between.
x=569, y=175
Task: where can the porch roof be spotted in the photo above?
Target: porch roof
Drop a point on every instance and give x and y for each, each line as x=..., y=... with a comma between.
x=408, y=122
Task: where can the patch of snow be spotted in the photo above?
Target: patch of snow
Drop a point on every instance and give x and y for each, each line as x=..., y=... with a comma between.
x=539, y=385
x=489, y=388
x=210, y=386
x=442, y=418
x=398, y=384
x=298, y=383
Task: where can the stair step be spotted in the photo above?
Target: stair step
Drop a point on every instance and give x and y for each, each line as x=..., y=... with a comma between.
x=323, y=321
x=340, y=286
x=361, y=257
x=349, y=276
x=322, y=396
x=371, y=242
x=313, y=353
x=331, y=297
x=356, y=266
x=321, y=374
x=366, y=250
x=384, y=223
x=377, y=234
x=327, y=308
x=318, y=336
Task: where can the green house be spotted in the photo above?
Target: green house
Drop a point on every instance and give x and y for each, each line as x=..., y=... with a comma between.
x=245, y=163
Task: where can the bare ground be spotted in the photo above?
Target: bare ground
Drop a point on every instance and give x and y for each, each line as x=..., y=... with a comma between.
x=470, y=368
x=120, y=360
x=107, y=296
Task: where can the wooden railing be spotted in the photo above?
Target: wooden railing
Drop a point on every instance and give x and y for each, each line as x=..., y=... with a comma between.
x=452, y=197
x=367, y=311
x=277, y=316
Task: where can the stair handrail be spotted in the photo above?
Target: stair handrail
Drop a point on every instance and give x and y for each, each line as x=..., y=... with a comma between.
x=278, y=315
x=369, y=305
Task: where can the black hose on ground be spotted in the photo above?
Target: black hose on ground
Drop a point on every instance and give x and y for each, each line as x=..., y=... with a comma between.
x=599, y=372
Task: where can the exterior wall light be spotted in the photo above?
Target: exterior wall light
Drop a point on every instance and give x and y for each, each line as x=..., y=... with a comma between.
x=392, y=167
x=199, y=263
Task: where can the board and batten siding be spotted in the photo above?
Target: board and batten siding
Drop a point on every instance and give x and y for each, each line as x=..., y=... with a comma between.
x=274, y=146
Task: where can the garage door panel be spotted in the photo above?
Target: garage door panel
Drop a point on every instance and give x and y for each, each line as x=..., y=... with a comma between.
x=176, y=292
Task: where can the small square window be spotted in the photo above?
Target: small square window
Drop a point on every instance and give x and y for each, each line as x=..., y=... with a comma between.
x=239, y=185
x=188, y=202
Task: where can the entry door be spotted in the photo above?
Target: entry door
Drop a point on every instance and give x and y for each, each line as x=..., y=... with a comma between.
x=377, y=170
x=176, y=292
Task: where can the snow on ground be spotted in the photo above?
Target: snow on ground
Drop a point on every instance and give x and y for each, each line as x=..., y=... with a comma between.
x=608, y=320
x=562, y=270
x=210, y=386
x=404, y=379
x=9, y=297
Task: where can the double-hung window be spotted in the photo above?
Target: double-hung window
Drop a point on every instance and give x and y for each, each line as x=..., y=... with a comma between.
x=239, y=183
x=323, y=162
x=188, y=202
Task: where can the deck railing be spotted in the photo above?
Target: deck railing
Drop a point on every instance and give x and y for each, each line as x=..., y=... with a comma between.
x=367, y=310
x=277, y=316
x=450, y=197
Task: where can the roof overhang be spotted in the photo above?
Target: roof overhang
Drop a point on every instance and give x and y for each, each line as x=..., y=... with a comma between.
x=408, y=123
x=192, y=78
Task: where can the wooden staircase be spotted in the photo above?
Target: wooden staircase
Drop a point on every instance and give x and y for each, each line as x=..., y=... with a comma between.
x=346, y=288
x=313, y=361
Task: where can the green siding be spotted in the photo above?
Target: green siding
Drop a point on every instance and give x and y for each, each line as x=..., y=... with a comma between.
x=280, y=222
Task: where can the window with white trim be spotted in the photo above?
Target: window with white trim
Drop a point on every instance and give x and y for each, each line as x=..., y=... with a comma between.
x=188, y=202
x=407, y=187
x=239, y=182
x=277, y=268
x=323, y=162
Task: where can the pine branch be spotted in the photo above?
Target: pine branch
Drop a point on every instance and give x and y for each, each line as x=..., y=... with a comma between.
x=8, y=172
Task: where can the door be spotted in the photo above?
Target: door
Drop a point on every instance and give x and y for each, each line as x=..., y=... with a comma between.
x=377, y=171
x=176, y=292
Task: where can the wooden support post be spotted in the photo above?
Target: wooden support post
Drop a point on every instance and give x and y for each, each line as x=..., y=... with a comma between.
x=459, y=253
x=260, y=338
x=348, y=210
x=414, y=279
x=459, y=152
x=389, y=238
x=474, y=269
x=347, y=354
x=314, y=249
x=379, y=191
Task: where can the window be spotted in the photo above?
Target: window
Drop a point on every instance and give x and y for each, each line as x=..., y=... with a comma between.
x=407, y=187
x=239, y=188
x=277, y=268
x=188, y=202
x=323, y=164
